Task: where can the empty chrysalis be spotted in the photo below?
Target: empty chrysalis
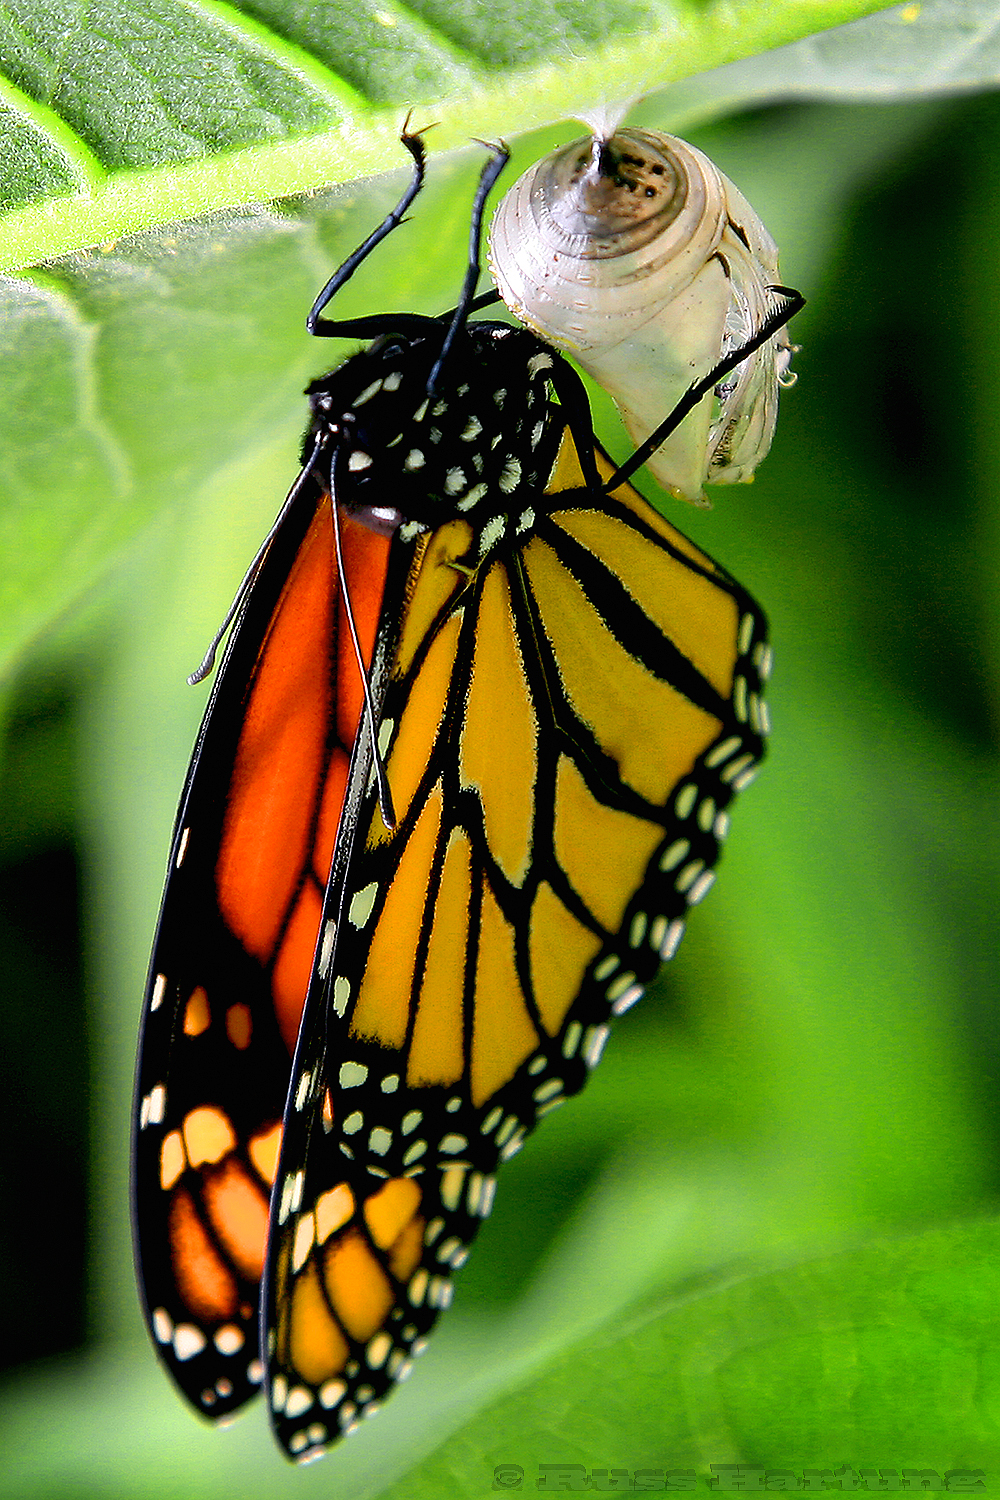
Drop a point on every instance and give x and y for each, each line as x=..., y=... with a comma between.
x=636, y=255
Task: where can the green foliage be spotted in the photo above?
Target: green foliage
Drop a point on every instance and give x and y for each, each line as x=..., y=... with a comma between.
x=760, y=1234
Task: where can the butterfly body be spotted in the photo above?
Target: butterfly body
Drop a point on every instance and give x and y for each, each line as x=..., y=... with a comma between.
x=362, y=1000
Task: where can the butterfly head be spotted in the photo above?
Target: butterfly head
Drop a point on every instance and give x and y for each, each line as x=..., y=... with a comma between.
x=472, y=445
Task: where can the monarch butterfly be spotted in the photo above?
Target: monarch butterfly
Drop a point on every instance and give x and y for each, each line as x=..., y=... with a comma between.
x=405, y=901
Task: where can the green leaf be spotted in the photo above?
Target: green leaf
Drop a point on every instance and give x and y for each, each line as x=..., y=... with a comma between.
x=120, y=121
x=885, y=1356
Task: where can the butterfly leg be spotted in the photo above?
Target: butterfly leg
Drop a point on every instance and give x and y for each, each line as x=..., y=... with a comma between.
x=792, y=302
x=330, y=328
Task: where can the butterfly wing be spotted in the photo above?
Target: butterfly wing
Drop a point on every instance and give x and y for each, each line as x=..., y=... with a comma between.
x=565, y=724
x=234, y=949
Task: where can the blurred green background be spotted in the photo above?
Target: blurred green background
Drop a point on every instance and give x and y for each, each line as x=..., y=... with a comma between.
x=816, y=1070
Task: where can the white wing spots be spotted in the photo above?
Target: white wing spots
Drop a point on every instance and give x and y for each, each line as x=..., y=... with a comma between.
x=414, y=460
x=507, y=1129
x=537, y=1063
x=385, y=730
x=539, y=362
x=255, y=1371
x=686, y=877
x=358, y=461
x=367, y=394
x=380, y=1140
x=685, y=800
x=637, y=930
x=362, y=903
x=188, y=1341
x=414, y=1152
x=754, y=707
x=159, y=990
x=619, y=986
x=740, y=698
x=549, y=1105
x=451, y=1145
x=431, y=1233
x=736, y=769
x=421, y=411
x=721, y=829
x=279, y=1393
x=574, y=1031
x=763, y=659
x=514, y=1145
x=510, y=476
x=746, y=634
x=393, y=381
x=326, y=946
x=536, y=434
x=332, y=1392
x=341, y=994
x=182, y=847
x=606, y=967
x=454, y=481
x=744, y=778
x=440, y=1291
x=439, y=408
x=163, y=1325
x=701, y=887
x=410, y=1121
x=526, y=520
x=672, y=936
x=299, y=1401
x=390, y=1083
x=499, y=398
x=452, y=1183
x=706, y=814
x=491, y=534
x=410, y=530
x=153, y=1107
x=593, y=1044
x=492, y=1120
x=435, y=434
x=627, y=999
x=354, y=1122
x=291, y=1195
x=487, y=1196
x=454, y=1104
x=305, y=1238
x=302, y=1090
x=471, y=430
x=723, y=751
x=418, y=1287
x=448, y=1247
x=473, y=497
x=377, y=1352
x=548, y=1090
x=352, y=1074
x=229, y=1339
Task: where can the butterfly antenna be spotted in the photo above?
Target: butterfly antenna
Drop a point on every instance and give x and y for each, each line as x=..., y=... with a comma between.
x=792, y=302
x=250, y=576
x=487, y=177
x=384, y=794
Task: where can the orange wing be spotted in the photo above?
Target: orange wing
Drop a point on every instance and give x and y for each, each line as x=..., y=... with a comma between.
x=234, y=949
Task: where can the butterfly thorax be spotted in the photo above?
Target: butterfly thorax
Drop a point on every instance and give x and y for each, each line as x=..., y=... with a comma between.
x=472, y=447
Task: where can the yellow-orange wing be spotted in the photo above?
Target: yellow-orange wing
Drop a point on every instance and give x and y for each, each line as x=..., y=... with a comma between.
x=571, y=706
x=234, y=949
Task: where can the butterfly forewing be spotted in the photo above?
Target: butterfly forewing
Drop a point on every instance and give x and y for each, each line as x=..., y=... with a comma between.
x=567, y=715
x=234, y=950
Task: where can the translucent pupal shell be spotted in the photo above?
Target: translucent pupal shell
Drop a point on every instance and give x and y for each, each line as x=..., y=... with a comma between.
x=641, y=259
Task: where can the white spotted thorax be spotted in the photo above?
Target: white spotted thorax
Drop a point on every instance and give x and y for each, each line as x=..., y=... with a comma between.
x=641, y=259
